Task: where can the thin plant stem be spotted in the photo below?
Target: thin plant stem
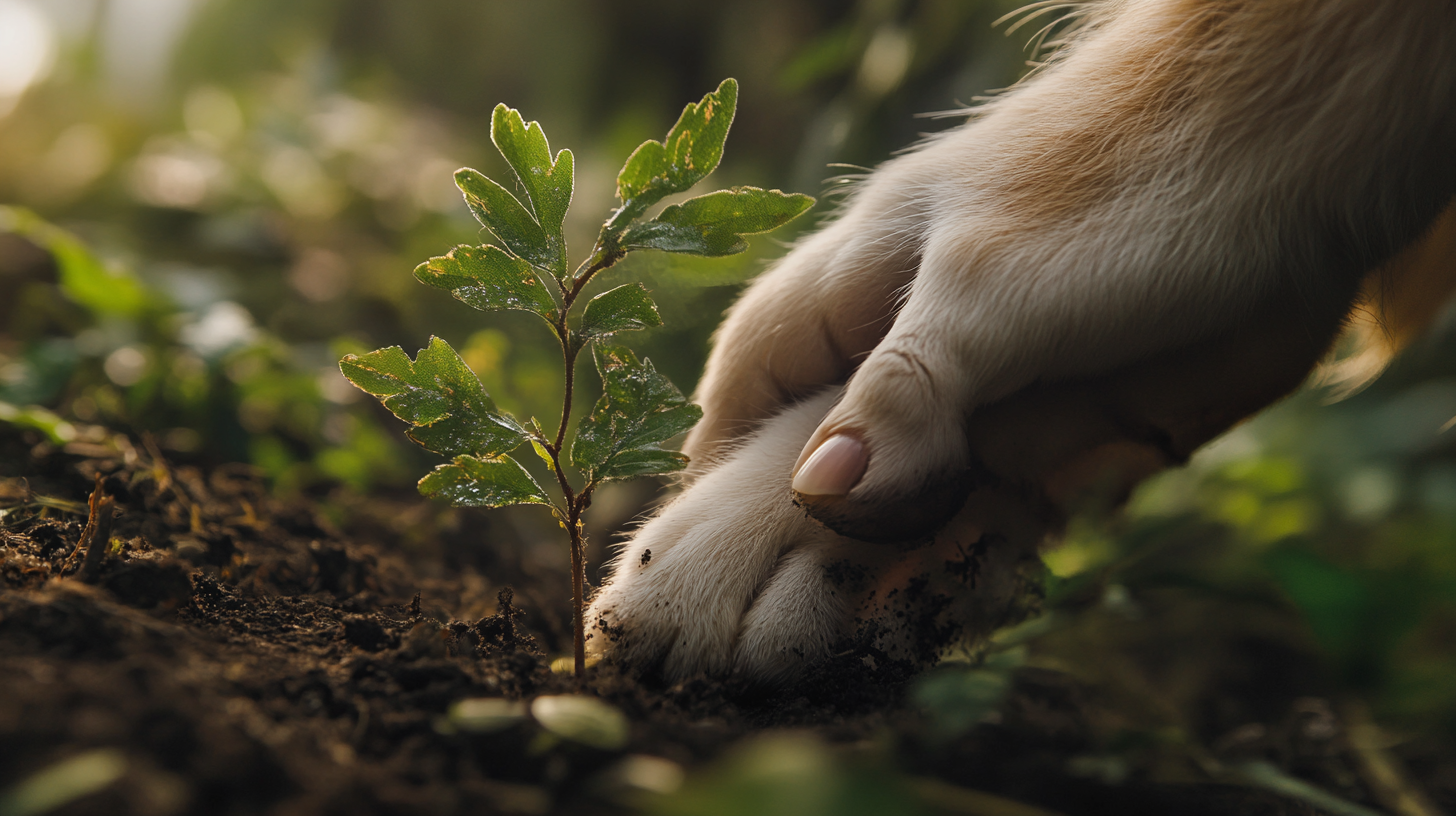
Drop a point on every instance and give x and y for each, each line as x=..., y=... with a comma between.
x=578, y=589
x=576, y=503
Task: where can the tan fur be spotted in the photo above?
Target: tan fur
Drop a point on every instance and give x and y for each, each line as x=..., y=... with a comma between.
x=1396, y=304
x=1157, y=234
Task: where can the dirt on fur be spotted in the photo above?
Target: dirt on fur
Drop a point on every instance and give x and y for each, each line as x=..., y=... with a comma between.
x=249, y=655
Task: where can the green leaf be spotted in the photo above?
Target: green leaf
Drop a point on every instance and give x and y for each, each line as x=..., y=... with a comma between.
x=714, y=224
x=956, y=697
x=1339, y=604
x=1270, y=777
x=472, y=481
x=690, y=152
x=439, y=395
x=63, y=782
x=541, y=453
x=646, y=462
x=508, y=218
x=488, y=278
x=537, y=434
x=83, y=277
x=638, y=409
x=626, y=308
x=37, y=418
x=548, y=183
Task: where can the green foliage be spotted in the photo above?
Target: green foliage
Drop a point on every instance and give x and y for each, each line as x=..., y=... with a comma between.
x=102, y=344
x=1332, y=521
x=471, y=481
x=488, y=278
x=57, y=430
x=547, y=181
x=690, y=152
x=530, y=229
x=445, y=404
x=957, y=696
x=715, y=224
x=83, y=277
x=63, y=782
x=638, y=411
x=790, y=774
x=439, y=396
x=626, y=308
x=508, y=218
x=710, y=225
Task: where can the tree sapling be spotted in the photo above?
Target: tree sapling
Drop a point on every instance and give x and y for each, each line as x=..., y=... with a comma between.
x=443, y=400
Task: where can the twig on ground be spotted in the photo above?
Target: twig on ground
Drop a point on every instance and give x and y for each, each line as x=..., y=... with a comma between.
x=96, y=537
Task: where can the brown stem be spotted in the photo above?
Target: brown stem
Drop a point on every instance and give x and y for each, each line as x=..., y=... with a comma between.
x=578, y=590
x=601, y=262
x=576, y=503
x=568, y=356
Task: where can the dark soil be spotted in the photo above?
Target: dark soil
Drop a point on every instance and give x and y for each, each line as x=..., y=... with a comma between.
x=249, y=655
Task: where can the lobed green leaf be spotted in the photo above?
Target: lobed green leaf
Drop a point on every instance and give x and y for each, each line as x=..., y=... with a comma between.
x=489, y=278
x=690, y=152
x=439, y=395
x=510, y=220
x=630, y=464
x=638, y=410
x=625, y=308
x=472, y=481
x=742, y=210
x=714, y=224
x=547, y=182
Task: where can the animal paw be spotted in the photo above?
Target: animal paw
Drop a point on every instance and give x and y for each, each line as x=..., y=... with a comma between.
x=726, y=577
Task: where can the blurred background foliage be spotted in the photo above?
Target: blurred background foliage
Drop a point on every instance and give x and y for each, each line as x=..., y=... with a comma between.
x=210, y=201
x=267, y=173
x=257, y=180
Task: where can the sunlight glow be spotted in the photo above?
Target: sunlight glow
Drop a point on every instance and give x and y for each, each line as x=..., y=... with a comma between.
x=27, y=50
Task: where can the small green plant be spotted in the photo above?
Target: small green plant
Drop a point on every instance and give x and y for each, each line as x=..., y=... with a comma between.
x=442, y=399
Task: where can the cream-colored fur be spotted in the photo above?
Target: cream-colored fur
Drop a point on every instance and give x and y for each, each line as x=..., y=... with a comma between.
x=1156, y=234
x=732, y=577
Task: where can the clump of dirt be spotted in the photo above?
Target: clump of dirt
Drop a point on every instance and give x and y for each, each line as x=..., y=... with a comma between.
x=250, y=655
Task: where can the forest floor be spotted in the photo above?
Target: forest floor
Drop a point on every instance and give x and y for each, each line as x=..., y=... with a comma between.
x=226, y=652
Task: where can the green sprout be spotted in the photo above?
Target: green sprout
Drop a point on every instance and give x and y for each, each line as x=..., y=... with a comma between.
x=442, y=399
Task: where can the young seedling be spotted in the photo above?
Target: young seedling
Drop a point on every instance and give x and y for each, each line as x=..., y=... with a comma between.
x=442, y=399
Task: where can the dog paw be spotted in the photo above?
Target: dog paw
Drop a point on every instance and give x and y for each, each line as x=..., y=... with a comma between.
x=728, y=576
